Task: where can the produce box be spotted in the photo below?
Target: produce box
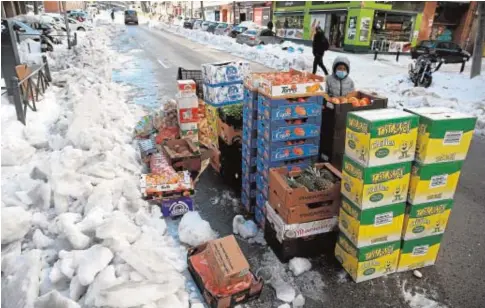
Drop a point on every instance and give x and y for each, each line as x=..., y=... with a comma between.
x=287, y=102
x=273, y=146
x=172, y=207
x=248, y=203
x=421, y=252
x=212, y=116
x=285, y=153
x=192, y=135
x=444, y=134
x=195, y=75
x=263, y=166
x=218, y=96
x=292, y=84
x=426, y=219
x=262, y=186
x=334, y=117
x=288, y=132
x=301, y=204
x=381, y=137
x=186, y=87
x=369, y=262
x=248, y=158
x=228, y=296
x=250, y=97
x=159, y=165
x=372, y=226
x=156, y=186
x=249, y=174
x=433, y=182
x=298, y=240
x=222, y=73
x=182, y=154
x=147, y=147
x=261, y=202
x=375, y=186
x=290, y=112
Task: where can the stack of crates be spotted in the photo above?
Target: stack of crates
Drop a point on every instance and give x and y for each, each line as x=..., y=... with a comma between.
x=288, y=134
x=444, y=137
x=379, y=150
x=249, y=143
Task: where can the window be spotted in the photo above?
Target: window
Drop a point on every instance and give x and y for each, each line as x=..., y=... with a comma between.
x=251, y=32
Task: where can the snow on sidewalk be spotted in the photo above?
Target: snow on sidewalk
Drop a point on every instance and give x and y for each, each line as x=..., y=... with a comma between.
x=75, y=232
x=385, y=76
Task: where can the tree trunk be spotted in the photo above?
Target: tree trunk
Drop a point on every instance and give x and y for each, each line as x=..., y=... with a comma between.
x=202, y=10
x=36, y=8
x=478, y=46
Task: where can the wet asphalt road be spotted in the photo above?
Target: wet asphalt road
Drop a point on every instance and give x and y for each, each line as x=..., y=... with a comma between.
x=458, y=278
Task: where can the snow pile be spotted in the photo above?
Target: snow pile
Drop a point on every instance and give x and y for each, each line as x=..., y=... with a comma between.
x=299, y=265
x=243, y=227
x=193, y=230
x=384, y=76
x=419, y=300
x=75, y=232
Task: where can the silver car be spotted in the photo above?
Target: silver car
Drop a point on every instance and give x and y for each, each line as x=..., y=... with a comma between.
x=258, y=37
x=222, y=29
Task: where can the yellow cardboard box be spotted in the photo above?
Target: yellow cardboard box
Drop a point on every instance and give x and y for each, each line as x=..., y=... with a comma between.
x=375, y=186
x=433, y=182
x=417, y=253
x=444, y=134
x=381, y=137
x=369, y=262
x=368, y=227
x=422, y=220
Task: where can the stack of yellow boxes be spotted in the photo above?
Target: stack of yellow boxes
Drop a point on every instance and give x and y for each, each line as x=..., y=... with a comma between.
x=379, y=150
x=444, y=137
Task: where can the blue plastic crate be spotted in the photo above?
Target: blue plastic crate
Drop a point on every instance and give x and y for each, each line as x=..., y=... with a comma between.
x=288, y=152
x=262, y=185
x=250, y=98
x=249, y=154
x=260, y=217
x=251, y=124
x=275, y=124
x=260, y=202
x=264, y=166
x=248, y=203
x=270, y=102
x=249, y=177
x=251, y=192
x=249, y=166
x=288, y=132
x=250, y=113
x=249, y=138
x=273, y=146
x=290, y=112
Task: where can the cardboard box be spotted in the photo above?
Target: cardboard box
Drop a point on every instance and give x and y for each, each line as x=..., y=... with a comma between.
x=224, y=95
x=426, y=219
x=188, y=126
x=375, y=186
x=381, y=137
x=315, y=85
x=421, y=252
x=444, y=134
x=182, y=161
x=433, y=182
x=372, y=226
x=227, y=261
x=212, y=115
x=173, y=207
x=291, y=231
x=186, y=87
x=298, y=205
x=221, y=73
x=155, y=186
x=189, y=101
x=368, y=262
x=217, y=300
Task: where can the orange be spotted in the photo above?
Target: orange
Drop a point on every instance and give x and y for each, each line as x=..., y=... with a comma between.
x=300, y=110
x=299, y=131
x=365, y=101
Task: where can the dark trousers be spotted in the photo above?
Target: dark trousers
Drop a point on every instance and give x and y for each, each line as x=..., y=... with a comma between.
x=318, y=61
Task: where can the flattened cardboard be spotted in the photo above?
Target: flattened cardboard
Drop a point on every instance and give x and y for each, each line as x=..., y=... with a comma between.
x=227, y=260
x=190, y=162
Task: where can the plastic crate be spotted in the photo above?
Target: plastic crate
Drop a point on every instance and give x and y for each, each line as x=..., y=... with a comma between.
x=260, y=202
x=259, y=217
x=247, y=169
x=288, y=152
x=262, y=186
x=288, y=132
x=249, y=154
x=195, y=75
x=248, y=203
x=290, y=112
x=272, y=146
x=250, y=98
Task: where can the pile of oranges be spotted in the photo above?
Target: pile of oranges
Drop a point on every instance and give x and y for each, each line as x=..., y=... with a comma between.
x=353, y=100
x=294, y=77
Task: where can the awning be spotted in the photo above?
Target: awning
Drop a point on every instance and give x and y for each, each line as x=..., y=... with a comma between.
x=289, y=13
x=327, y=11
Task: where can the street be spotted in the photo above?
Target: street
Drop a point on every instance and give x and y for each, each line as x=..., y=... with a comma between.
x=456, y=280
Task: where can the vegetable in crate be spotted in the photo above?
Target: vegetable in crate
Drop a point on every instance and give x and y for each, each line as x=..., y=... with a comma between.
x=232, y=115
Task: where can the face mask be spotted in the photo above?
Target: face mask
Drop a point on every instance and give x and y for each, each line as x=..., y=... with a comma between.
x=341, y=74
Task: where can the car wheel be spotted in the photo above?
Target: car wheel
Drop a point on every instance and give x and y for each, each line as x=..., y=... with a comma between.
x=81, y=29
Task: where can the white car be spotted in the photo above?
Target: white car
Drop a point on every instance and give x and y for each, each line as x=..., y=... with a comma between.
x=58, y=20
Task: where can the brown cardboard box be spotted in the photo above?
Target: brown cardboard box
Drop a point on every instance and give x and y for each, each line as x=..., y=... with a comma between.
x=298, y=205
x=227, y=261
x=189, y=161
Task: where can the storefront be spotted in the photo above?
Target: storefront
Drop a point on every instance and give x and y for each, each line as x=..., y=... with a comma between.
x=392, y=31
x=332, y=23
x=289, y=19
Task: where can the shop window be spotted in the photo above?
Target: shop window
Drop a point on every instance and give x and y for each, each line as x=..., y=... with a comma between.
x=392, y=27
x=289, y=26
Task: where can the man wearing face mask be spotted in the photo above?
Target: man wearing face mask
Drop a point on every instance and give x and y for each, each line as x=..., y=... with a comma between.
x=339, y=83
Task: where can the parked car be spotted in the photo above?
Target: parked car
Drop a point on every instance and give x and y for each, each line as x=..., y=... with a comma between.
x=25, y=31
x=235, y=31
x=449, y=51
x=75, y=25
x=131, y=17
x=212, y=27
x=80, y=15
x=205, y=25
x=189, y=23
x=222, y=28
x=197, y=24
x=258, y=37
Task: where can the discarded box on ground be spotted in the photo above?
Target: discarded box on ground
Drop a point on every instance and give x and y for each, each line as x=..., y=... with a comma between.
x=298, y=205
x=433, y=182
x=227, y=296
x=182, y=154
x=173, y=207
x=421, y=252
x=381, y=137
x=157, y=186
x=372, y=226
x=426, y=219
x=444, y=134
x=375, y=186
x=186, y=87
x=368, y=262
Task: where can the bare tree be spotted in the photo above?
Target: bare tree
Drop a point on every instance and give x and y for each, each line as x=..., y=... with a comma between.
x=202, y=10
x=478, y=46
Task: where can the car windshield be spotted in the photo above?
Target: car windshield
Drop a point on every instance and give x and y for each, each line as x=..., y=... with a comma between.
x=205, y=23
x=251, y=32
x=223, y=26
x=130, y=13
x=25, y=26
x=427, y=44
